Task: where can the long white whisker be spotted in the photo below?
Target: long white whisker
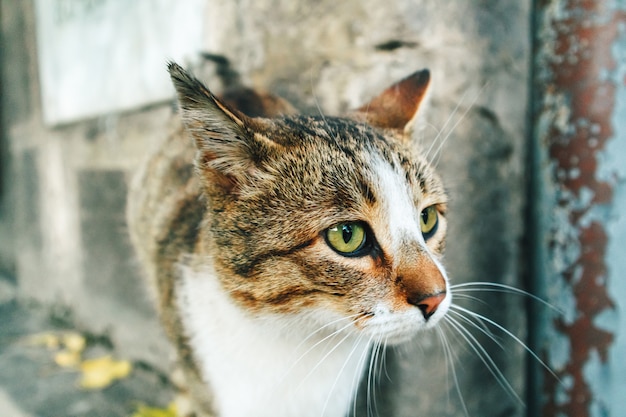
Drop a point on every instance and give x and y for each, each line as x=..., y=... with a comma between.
x=437, y=134
x=481, y=327
x=358, y=375
x=443, y=128
x=469, y=297
x=384, y=361
x=511, y=335
x=343, y=339
x=357, y=342
x=380, y=357
x=325, y=326
x=484, y=356
x=447, y=359
x=332, y=335
x=497, y=287
x=371, y=379
x=437, y=153
x=317, y=104
x=449, y=354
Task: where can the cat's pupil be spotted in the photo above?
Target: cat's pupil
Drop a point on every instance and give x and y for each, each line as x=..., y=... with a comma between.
x=347, y=233
x=347, y=238
x=425, y=215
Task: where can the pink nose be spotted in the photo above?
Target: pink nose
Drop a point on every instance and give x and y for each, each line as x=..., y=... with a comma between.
x=429, y=304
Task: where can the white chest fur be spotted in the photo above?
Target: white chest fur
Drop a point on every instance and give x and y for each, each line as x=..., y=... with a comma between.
x=268, y=366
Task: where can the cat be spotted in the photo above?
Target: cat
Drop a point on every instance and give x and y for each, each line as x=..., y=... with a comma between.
x=282, y=247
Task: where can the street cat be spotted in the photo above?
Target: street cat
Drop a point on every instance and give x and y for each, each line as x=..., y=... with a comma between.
x=283, y=247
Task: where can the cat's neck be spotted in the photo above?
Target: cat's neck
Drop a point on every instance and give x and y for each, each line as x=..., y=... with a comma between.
x=268, y=366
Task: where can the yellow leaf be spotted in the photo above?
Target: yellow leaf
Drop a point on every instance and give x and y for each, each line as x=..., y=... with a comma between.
x=101, y=372
x=74, y=342
x=145, y=411
x=67, y=358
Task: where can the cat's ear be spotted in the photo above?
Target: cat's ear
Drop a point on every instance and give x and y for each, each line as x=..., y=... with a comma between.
x=225, y=138
x=397, y=107
x=255, y=103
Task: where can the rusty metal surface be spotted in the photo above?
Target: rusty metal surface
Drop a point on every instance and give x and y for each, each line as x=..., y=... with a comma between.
x=579, y=83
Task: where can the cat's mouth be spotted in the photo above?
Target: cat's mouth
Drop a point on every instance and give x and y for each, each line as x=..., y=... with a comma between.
x=399, y=326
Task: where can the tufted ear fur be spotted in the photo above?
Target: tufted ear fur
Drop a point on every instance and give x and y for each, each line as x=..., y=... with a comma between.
x=228, y=148
x=396, y=108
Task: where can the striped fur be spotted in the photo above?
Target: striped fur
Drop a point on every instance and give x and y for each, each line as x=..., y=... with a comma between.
x=268, y=319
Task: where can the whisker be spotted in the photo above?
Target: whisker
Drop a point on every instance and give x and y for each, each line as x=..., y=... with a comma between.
x=481, y=327
x=325, y=326
x=442, y=339
x=356, y=344
x=317, y=365
x=380, y=357
x=317, y=104
x=451, y=358
x=484, y=356
x=443, y=128
x=384, y=361
x=343, y=339
x=469, y=297
x=371, y=379
x=511, y=335
x=437, y=153
x=421, y=139
x=503, y=288
x=357, y=377
x=330, y=336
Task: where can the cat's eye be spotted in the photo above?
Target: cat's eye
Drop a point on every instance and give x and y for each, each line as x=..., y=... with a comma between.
x=428, y=222
x=348, y=239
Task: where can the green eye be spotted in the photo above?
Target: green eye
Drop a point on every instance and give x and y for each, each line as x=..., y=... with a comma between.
x=347, y=238
x=428, y=222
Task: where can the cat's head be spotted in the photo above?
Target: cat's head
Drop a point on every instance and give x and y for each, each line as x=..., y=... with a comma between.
x=336, y=218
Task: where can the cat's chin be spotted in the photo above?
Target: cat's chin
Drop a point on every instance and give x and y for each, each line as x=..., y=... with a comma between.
x=400, y=336
x=394, y=328
x=400, y=339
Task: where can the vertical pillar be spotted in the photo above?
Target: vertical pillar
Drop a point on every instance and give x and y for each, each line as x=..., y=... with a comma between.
x=579, y=205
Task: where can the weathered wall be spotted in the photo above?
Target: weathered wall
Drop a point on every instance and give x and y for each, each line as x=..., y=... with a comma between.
x=68, y=183
x=579, y=109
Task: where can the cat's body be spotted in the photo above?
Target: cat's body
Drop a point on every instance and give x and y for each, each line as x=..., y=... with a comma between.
x=298, y=244
x=261, y=365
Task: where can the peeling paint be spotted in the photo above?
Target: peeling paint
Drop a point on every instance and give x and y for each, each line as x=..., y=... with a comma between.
x=613, y=170
x=579, y=83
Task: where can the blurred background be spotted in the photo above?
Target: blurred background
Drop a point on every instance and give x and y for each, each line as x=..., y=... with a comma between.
x=527, y=112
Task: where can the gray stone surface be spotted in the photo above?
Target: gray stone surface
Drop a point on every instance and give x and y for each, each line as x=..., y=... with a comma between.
x=9, y=408
x=67, y=183
x=32, y=384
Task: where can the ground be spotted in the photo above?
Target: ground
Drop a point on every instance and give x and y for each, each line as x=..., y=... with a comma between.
x=50, y=367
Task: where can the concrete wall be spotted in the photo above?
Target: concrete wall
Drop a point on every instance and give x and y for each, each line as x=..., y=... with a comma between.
x=62, y=225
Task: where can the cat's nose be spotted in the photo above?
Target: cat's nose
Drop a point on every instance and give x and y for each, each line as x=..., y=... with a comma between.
x=422, y=284
x=429, y=304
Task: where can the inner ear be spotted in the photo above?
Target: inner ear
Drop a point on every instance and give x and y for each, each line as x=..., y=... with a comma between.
x=396, y=107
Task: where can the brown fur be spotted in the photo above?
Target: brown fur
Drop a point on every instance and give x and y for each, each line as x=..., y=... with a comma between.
x=264, y=191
